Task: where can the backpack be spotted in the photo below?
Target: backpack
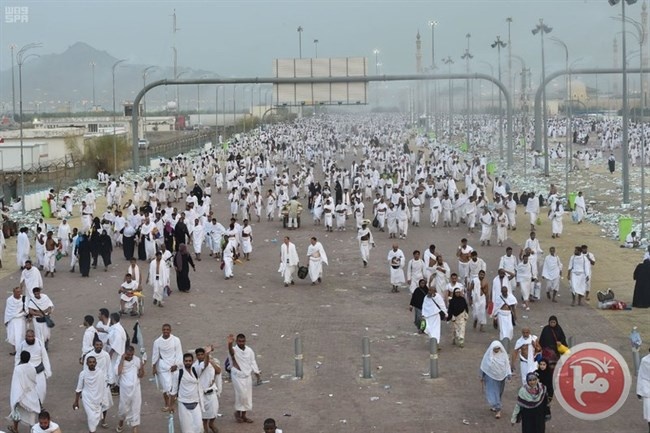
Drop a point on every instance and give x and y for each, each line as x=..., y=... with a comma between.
x=180, y=374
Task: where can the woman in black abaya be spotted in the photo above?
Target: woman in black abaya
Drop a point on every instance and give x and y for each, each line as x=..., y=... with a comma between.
x=84, y=255
x=182, y=263
x=128, y=241
x=105, y=249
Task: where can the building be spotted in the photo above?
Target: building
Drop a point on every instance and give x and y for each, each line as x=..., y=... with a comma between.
x=41, y=146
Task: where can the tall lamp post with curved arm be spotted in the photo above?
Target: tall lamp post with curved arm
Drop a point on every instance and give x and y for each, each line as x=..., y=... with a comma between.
x=567, y=147
x=624, y=147
x=144, y=100
x=467, y=57
x=542, y=28
x=449, y=61
x=641, y=36
x=115, y=65
x=20, y=60
x=498, y=44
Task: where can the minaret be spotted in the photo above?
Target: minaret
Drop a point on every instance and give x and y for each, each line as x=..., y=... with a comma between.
x=418, y=54
x=418, y=69
x=616, y=80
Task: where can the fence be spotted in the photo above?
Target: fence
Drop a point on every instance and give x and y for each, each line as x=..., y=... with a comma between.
x=42, y=176
x=173, y=147
x=60, y=173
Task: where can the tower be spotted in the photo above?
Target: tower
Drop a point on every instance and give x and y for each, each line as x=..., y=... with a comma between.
x=418, y=69
x=418, y=53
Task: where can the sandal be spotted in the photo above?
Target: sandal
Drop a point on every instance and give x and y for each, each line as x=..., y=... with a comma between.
x=498, y=415
x=165, y=409
x=248, y=420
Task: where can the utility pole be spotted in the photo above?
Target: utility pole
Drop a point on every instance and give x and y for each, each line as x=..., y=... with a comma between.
x=92, y=67
x=449, y=61
x=498, y=44
x=467, y=56
x=509, y=43
x=13, y=85
x=175, y=50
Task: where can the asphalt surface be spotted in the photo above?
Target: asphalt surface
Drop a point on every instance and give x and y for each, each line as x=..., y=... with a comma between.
x=331, y=318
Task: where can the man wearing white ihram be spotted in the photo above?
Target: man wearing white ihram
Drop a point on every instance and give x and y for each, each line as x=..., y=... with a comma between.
x=288, y=261
x=432, y=306
x=396, y=261
x=415, y=271
x=317, y=257
x=364, y=236
x=38, y=359
x=90, y=389
x=577, y=275
x=210, y=385
x=15, y=313
x=243, y=365
x=129, y=372
x=158, y=278
x=188, y=396
x=504, y=313
x=166, y=357
x=643, y=387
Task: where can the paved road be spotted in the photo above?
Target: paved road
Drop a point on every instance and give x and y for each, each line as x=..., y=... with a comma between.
x=332, y=318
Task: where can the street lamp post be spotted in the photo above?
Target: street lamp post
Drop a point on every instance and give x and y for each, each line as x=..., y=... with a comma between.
x=300, y=29
x=491, y=74
x=13, y=85
x=510, y=83
x=92, y=69
x=216, y=116
x=433, y=24
x=433, y=103
x=567, y=150
x=641, y=37
x=316, y=48
x=467, y=57
x=198, y=102
x=234, y=108
x=114, y=120
x=625, y=149
x=178, y=100
x=498, y=44
x=144, y=101
x=523, y=105
x=542, y=28
x=376, y=53
x=449, y=61
x=20, y=59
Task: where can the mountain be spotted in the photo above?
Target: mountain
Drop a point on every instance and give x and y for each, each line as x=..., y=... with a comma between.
x=63, y=81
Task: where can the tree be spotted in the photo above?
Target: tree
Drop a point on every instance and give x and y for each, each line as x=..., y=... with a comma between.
x=99, y=152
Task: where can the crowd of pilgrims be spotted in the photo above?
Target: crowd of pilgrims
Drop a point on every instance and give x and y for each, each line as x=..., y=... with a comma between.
x=394, y=176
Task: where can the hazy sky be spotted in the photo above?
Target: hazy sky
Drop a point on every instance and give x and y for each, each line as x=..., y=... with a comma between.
x=241, y=37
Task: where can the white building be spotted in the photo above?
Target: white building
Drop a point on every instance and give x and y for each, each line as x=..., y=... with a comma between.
x=40, y=146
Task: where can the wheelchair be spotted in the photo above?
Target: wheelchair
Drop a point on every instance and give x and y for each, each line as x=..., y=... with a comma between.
x=129, y=309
